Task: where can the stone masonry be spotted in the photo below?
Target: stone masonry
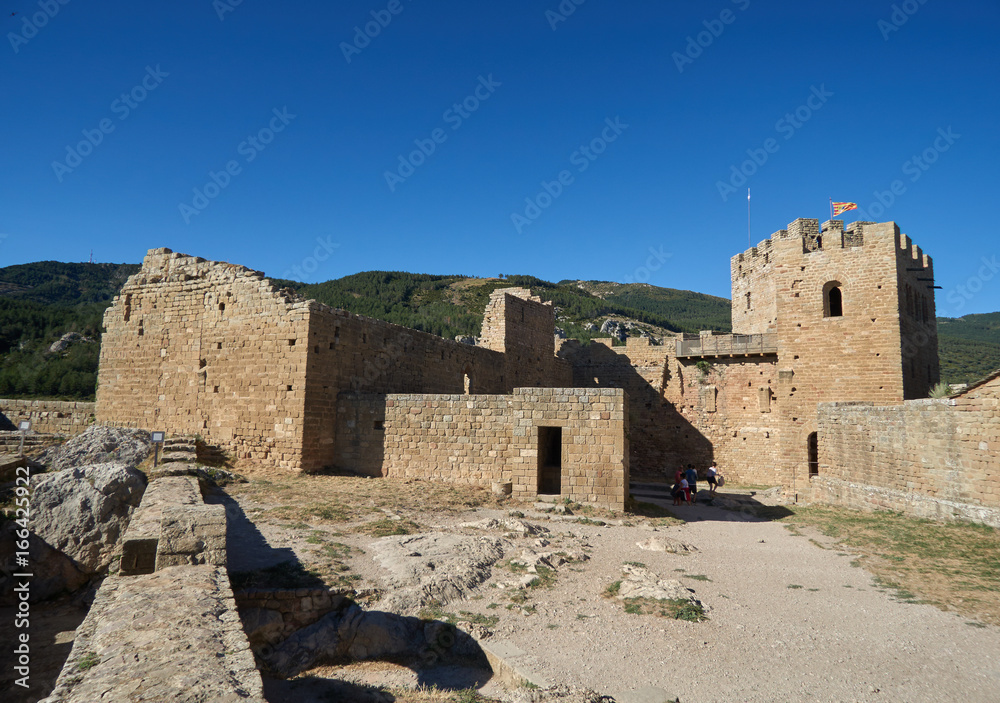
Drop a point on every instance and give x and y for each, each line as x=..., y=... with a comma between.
x=482, y=439
x=931, y=458
x=47, y=416
x=821, y=314
x=204, y=348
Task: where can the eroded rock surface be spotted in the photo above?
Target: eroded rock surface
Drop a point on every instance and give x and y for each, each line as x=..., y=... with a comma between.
x=355, y=634
x=99, y=445
x=83, y=512
x=435, y=568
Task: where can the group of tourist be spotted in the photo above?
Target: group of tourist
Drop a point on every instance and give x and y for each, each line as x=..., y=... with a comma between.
x=685, y=486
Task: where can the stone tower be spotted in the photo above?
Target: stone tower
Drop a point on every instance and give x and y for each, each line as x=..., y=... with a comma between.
x=854, y=317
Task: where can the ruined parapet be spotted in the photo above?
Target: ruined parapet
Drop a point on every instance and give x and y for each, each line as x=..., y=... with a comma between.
x=522, y=327
x=170, y=636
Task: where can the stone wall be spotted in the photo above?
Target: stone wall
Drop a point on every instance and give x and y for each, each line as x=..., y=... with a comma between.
x=272, y=615
x=754, y=301
x=213, y=349
x=481, y=439
x=351, y=353
x=680, y=415
x=47, y=416
x=930, y=458
x=165, y=627
x=199, y=347
x=521, y=326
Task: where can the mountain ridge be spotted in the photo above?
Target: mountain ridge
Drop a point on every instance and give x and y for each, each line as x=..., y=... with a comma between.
x=42, y=301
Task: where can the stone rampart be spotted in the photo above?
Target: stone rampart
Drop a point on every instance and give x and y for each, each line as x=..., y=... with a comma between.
x=566, y=441
x=48, y=416
x=929, y=458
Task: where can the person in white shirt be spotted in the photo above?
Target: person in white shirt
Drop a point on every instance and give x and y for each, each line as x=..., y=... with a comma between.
x=712, y=471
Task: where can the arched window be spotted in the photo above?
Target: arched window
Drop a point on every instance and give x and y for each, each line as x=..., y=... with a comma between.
x=833, y=300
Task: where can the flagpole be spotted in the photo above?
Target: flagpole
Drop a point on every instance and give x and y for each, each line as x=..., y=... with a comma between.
x=749, y=241
x=831, y=208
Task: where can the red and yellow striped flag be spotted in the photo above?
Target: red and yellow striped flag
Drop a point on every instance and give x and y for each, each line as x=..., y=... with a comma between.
x=839, y=208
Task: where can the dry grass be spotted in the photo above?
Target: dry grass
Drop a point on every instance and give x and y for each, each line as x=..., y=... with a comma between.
x=954, y=566
x=352, y=503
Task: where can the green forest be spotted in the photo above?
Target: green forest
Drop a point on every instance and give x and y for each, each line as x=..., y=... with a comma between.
x=41, y=302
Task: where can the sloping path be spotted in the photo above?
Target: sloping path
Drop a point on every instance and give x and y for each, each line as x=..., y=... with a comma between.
x=790, y=621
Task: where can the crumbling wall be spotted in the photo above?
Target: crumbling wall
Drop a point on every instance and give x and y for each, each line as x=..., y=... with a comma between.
x=481, y=439
x=48, y=416
x=521, y=326
x=200, y=347
x=928, y=458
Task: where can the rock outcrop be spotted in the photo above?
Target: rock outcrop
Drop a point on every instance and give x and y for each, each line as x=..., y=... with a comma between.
x=100, y=444
x=77, y=519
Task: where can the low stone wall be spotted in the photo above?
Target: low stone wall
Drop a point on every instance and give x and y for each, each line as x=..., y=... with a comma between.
x=173, y=635
x=272, y=615
x=48, y=416
x=483, y=439
x=928, y=458
x=865, y=497
x=166, y=626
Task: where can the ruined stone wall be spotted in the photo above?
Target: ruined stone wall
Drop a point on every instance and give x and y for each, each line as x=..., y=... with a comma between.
x=522, y=327
x=485, y=438
x=929, y=458
x=732, y=404
x=200, y=347
x=351, y=353
x=47, y=416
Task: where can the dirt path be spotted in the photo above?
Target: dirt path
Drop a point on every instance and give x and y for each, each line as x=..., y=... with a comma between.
x=791, y=619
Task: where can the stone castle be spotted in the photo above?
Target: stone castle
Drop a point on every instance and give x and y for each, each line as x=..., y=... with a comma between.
x=828, y=323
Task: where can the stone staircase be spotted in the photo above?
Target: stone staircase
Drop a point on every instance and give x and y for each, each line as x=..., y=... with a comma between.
x=182, y=449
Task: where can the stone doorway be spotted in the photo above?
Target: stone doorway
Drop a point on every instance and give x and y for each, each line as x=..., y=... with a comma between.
x=549, y=460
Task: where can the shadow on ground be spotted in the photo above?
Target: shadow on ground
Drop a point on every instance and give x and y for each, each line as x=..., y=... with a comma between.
x=252, y=562
x=724, y=506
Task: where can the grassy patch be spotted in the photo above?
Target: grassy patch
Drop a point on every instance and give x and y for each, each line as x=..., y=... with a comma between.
x=676, y=609
x=697, y=577
x=613, y=589
x=387, y=527
x=793, y=586
x=954, y=566
x=636, y=563
x=88, y=661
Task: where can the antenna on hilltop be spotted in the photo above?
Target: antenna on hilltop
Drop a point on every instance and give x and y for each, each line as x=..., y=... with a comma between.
x=91, y=256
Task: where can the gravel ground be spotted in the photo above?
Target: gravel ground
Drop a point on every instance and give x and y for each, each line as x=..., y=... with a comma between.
x=790, y=618
x=837, y=638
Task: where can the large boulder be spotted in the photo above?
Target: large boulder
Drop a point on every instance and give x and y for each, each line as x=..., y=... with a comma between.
x=80, y=515
x=100, y=444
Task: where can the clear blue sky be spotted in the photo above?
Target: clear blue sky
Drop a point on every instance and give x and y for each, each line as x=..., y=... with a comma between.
x=870, y=90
